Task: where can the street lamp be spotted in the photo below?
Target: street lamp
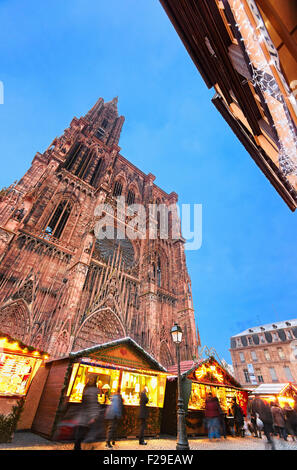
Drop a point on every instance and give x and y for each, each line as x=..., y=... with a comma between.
x=182, y=439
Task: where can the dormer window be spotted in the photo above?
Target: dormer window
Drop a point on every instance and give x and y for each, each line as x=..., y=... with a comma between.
x=275, y=336
x=289, y=334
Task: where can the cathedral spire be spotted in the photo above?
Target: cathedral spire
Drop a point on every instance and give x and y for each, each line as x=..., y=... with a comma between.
x=105, y=121
x=113, y=103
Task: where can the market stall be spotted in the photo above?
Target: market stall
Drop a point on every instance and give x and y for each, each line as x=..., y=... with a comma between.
x=197, y=380
x=284, y=393
x=119, y=364
x=19, y=364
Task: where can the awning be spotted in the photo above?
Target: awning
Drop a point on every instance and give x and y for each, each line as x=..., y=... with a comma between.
x=271, y=389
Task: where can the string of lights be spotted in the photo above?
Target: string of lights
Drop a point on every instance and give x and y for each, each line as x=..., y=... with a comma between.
x=264, y=72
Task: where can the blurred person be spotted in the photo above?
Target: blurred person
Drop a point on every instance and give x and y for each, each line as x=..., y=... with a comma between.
x=291, y=421
x=238, y=418
x=230, y=422
x=88, y=412
x=223, y=424
x=294, y=423
x=262, y=409
x=113, y=414
x=253, y=419
x=279, y=422
x=143, y=414
x=213, y=415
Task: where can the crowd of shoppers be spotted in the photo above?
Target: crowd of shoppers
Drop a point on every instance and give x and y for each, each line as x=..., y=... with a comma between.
x=93, y=419
x=273, y=420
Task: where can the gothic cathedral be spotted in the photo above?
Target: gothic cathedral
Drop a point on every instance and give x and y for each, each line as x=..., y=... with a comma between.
x=61, y=288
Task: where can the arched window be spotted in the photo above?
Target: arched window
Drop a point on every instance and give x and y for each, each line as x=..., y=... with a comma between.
x=79, y=160
x=118, y=188
x=158, y=214
x=58, y=220
x=130, y=197
x=96, y=174
x=86, y=158
x=72, y=156
x=159, y=277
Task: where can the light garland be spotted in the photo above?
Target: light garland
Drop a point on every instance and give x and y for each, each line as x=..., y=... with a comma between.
x=263, y=76
x=204, y=370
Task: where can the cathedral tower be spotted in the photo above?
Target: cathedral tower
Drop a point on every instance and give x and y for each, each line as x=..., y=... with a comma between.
x=61, y=288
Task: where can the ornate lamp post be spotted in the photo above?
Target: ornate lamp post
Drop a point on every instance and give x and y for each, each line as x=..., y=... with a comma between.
x=182, y=439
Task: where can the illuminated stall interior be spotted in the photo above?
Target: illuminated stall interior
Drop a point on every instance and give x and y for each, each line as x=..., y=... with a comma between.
x=285, y=393
x=211, y=378
x=18, y=365
x=118, y=365
x=109, y=378
x=198, y=379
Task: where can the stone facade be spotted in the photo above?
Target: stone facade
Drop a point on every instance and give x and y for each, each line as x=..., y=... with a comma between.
x=266, y=354
x=61, y=288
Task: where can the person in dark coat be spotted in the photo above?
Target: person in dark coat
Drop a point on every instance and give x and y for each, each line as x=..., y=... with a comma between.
x=223, y=424
x=143, y=414
x=238, y=418
x=253, y=416
x=112, y=415
x=213, y=414
x=291, y=421
x=88, y=411
x=262, y=408
x=230, y=422
x=279, y=422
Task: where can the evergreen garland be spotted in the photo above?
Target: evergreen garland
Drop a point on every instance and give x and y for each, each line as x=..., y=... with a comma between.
x=8, y=423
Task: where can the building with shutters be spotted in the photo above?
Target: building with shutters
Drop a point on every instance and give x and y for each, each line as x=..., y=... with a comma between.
x=265, y=354
x=61, y=288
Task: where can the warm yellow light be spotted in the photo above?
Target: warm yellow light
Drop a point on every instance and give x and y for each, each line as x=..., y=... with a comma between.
x=15, y=374
x=154, y=382
x=114, y=384
x=12, y=346
x=203, y=370
x=286, y=400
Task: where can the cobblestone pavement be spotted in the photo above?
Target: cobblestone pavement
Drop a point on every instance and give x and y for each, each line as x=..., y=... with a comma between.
x=30, y=441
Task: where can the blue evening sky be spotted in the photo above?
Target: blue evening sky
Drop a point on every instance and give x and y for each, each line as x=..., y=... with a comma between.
x=58, y=57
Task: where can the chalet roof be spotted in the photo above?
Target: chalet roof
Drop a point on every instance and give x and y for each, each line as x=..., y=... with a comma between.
x=128, y=341
x=186, y=367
